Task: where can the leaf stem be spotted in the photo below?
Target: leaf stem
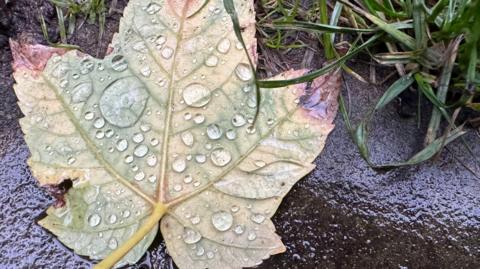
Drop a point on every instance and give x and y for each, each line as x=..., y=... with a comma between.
x=158, y=212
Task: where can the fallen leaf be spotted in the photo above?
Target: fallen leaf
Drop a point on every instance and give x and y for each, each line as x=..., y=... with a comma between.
x=161, y=130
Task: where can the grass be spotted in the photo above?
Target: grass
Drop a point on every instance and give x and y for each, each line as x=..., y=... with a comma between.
x=76, y=12
x=433, y=45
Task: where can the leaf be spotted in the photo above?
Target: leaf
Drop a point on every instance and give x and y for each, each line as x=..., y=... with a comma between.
x=160, y=130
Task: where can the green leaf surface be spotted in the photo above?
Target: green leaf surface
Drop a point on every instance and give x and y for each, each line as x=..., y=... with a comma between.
x=160, y=133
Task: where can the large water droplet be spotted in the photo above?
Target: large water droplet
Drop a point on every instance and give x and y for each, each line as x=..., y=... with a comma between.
x=94, y=220
x=238, y=120
x=123, y=102
x=222, y=220
x=140, y=151
x=244, y=72
x=257, y=218
x=211, y=61
x=119, y=63
x=81, y=92
x=196, y=95
x=223, y=46
x=167, y=53
x=179, y=165
x=214, y=132
x=152, y=8
x=190, y=236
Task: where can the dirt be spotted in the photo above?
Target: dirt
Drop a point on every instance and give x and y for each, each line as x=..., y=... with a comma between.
x=342, y=215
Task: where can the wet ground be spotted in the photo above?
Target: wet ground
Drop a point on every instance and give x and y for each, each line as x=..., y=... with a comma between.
x=343, y=215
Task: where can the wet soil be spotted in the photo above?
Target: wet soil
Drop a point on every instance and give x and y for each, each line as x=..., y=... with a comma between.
x=342, y=215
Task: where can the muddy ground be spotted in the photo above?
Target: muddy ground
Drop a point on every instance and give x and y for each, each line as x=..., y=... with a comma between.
x=342, y=215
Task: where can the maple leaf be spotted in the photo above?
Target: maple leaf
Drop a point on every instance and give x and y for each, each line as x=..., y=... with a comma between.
x=161, y=130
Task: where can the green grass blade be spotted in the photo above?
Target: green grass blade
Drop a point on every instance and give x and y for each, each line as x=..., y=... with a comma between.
x=394, y=90
x=321, y=71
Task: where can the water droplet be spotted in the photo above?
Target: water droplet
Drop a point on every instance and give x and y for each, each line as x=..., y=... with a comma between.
x=231, y=134
x=146, y=71
x=151, y=160
x=152, y=8
x=81, y=92
x=244, y=72
x=200, y=251
x=99, y=123
x=251, y=236
x=210, y=255
x=196, y=183
x=257, y=218
x=222, y=220
x=89, y=115
x=99, y=134
x=87, y=66
x=112, y=243
x=63, y=83
x=139, y=176
x=238, y=45
x=238, y=120
x=179, y=165
x=161, y=40
x=190, y=236
x=121, y=145
x=177, y=187
x=235, y=209
x=252, y=101
x=100, y=67
x=145, y=127
x=112, y=219
x=195, y=220
x=214, y=132
x=199, y=118
x=200, y=158
x=138, y=138
x=187, y=138
x=270, y=121
x=167, y=53
x=196, y=95
x=223, y=46
x=109, y=133
x=238, y=229
x=251, y=129
x=140, y=151
x=260, y=163
x=94, y=220
x=126, y=213
x=152, y=178
x=154, y=141
x=128, y=159
x=187, y=116
x=220, y=157
x=71, y=160
x=119, y=63
x=211, y=61
x=188, y=179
